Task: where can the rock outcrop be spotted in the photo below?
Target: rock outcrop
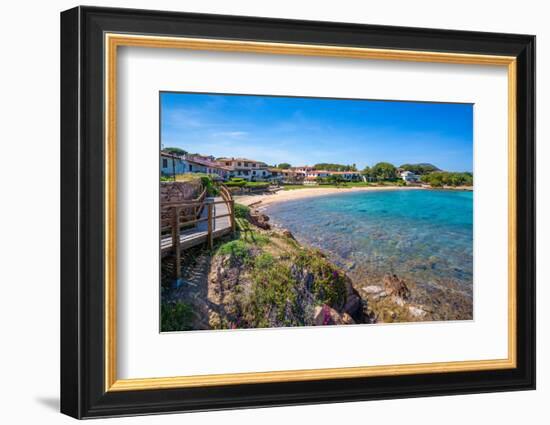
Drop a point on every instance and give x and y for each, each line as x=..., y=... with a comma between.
x=393, y=286
x=259, y=219
x=325, y=315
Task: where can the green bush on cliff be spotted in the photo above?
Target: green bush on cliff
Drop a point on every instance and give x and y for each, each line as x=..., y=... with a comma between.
x=285, y=290
x=236, y=249
x=176, y=316
x=241, y=211
x=329, y=284
x=264, y=260
x=273, y=300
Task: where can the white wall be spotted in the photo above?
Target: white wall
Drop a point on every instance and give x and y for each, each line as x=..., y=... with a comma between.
x=29, y=365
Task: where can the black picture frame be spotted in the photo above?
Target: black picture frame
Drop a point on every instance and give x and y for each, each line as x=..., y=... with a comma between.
x=82, y=212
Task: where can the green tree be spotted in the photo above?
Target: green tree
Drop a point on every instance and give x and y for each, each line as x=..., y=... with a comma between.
x=384, y=171
x=442, y=178
x=175, y=151
x=284, y=166
x=420, y=169
x=334, y=167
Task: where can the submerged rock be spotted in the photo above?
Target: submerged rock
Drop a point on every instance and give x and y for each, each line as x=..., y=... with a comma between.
x=373, y=289
x=416, y=312
x=396, y=287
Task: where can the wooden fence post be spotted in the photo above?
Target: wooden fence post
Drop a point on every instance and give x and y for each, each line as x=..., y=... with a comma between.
x=232, y=206
x=176, y=244
x=210, y=227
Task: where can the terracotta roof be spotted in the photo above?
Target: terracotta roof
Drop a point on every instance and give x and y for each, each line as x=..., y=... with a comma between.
x=170, y=155
x=240, y=159
x=208, y=163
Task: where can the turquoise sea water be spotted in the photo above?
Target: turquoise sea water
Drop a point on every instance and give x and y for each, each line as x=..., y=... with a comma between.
x=425, y=236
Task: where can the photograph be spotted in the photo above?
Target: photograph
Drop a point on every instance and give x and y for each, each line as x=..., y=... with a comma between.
x=295, y=211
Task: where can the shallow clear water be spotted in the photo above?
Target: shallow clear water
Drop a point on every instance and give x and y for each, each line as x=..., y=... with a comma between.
x=422, y=235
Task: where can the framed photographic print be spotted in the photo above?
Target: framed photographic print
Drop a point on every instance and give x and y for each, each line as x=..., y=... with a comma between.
x=261, y=212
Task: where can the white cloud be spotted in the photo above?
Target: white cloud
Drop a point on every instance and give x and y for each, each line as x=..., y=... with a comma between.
x=231, y=134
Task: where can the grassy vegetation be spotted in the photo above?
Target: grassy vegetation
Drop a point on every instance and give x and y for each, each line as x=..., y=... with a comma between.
x=280, y=282
x=238, y=250
x=188, y=177
x=176, y=316
x=329, y=285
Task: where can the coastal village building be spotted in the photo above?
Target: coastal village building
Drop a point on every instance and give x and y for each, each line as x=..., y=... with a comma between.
x=247, y=169
x=313, y=175
x=209, y=165
x=293, y=176
x=251, y=170
x=410, y=177
x=171, y=164
x=276, y=174
x=349, y=175
x=304, y=169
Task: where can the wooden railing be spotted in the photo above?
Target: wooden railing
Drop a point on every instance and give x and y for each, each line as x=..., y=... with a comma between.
x=230, y=202
x=185, y=215
x=184, y=212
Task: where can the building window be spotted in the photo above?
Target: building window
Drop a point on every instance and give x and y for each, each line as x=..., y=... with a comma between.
x=228, y=163
x=164, y=163
x=246, y=164
x=239, y=164
x=190, y=167
x=254, y=173
x=254, y=165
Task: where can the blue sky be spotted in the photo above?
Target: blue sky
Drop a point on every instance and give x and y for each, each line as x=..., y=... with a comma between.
x=304, y=131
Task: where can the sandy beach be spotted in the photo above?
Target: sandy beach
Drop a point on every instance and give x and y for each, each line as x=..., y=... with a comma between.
x=291, y=195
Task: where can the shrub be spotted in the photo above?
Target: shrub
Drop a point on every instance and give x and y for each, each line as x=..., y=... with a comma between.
x=264, y=260
x=237, y=250
x=329, y=285
x=208, y=183
x=236, y=182
x=273, y=300
x=257, y=185
x=241, y=211
x=176, y=316
x=438, y=179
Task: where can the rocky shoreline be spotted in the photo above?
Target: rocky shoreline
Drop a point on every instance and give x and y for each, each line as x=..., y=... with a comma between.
x=390, y=298
x=266, y=278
